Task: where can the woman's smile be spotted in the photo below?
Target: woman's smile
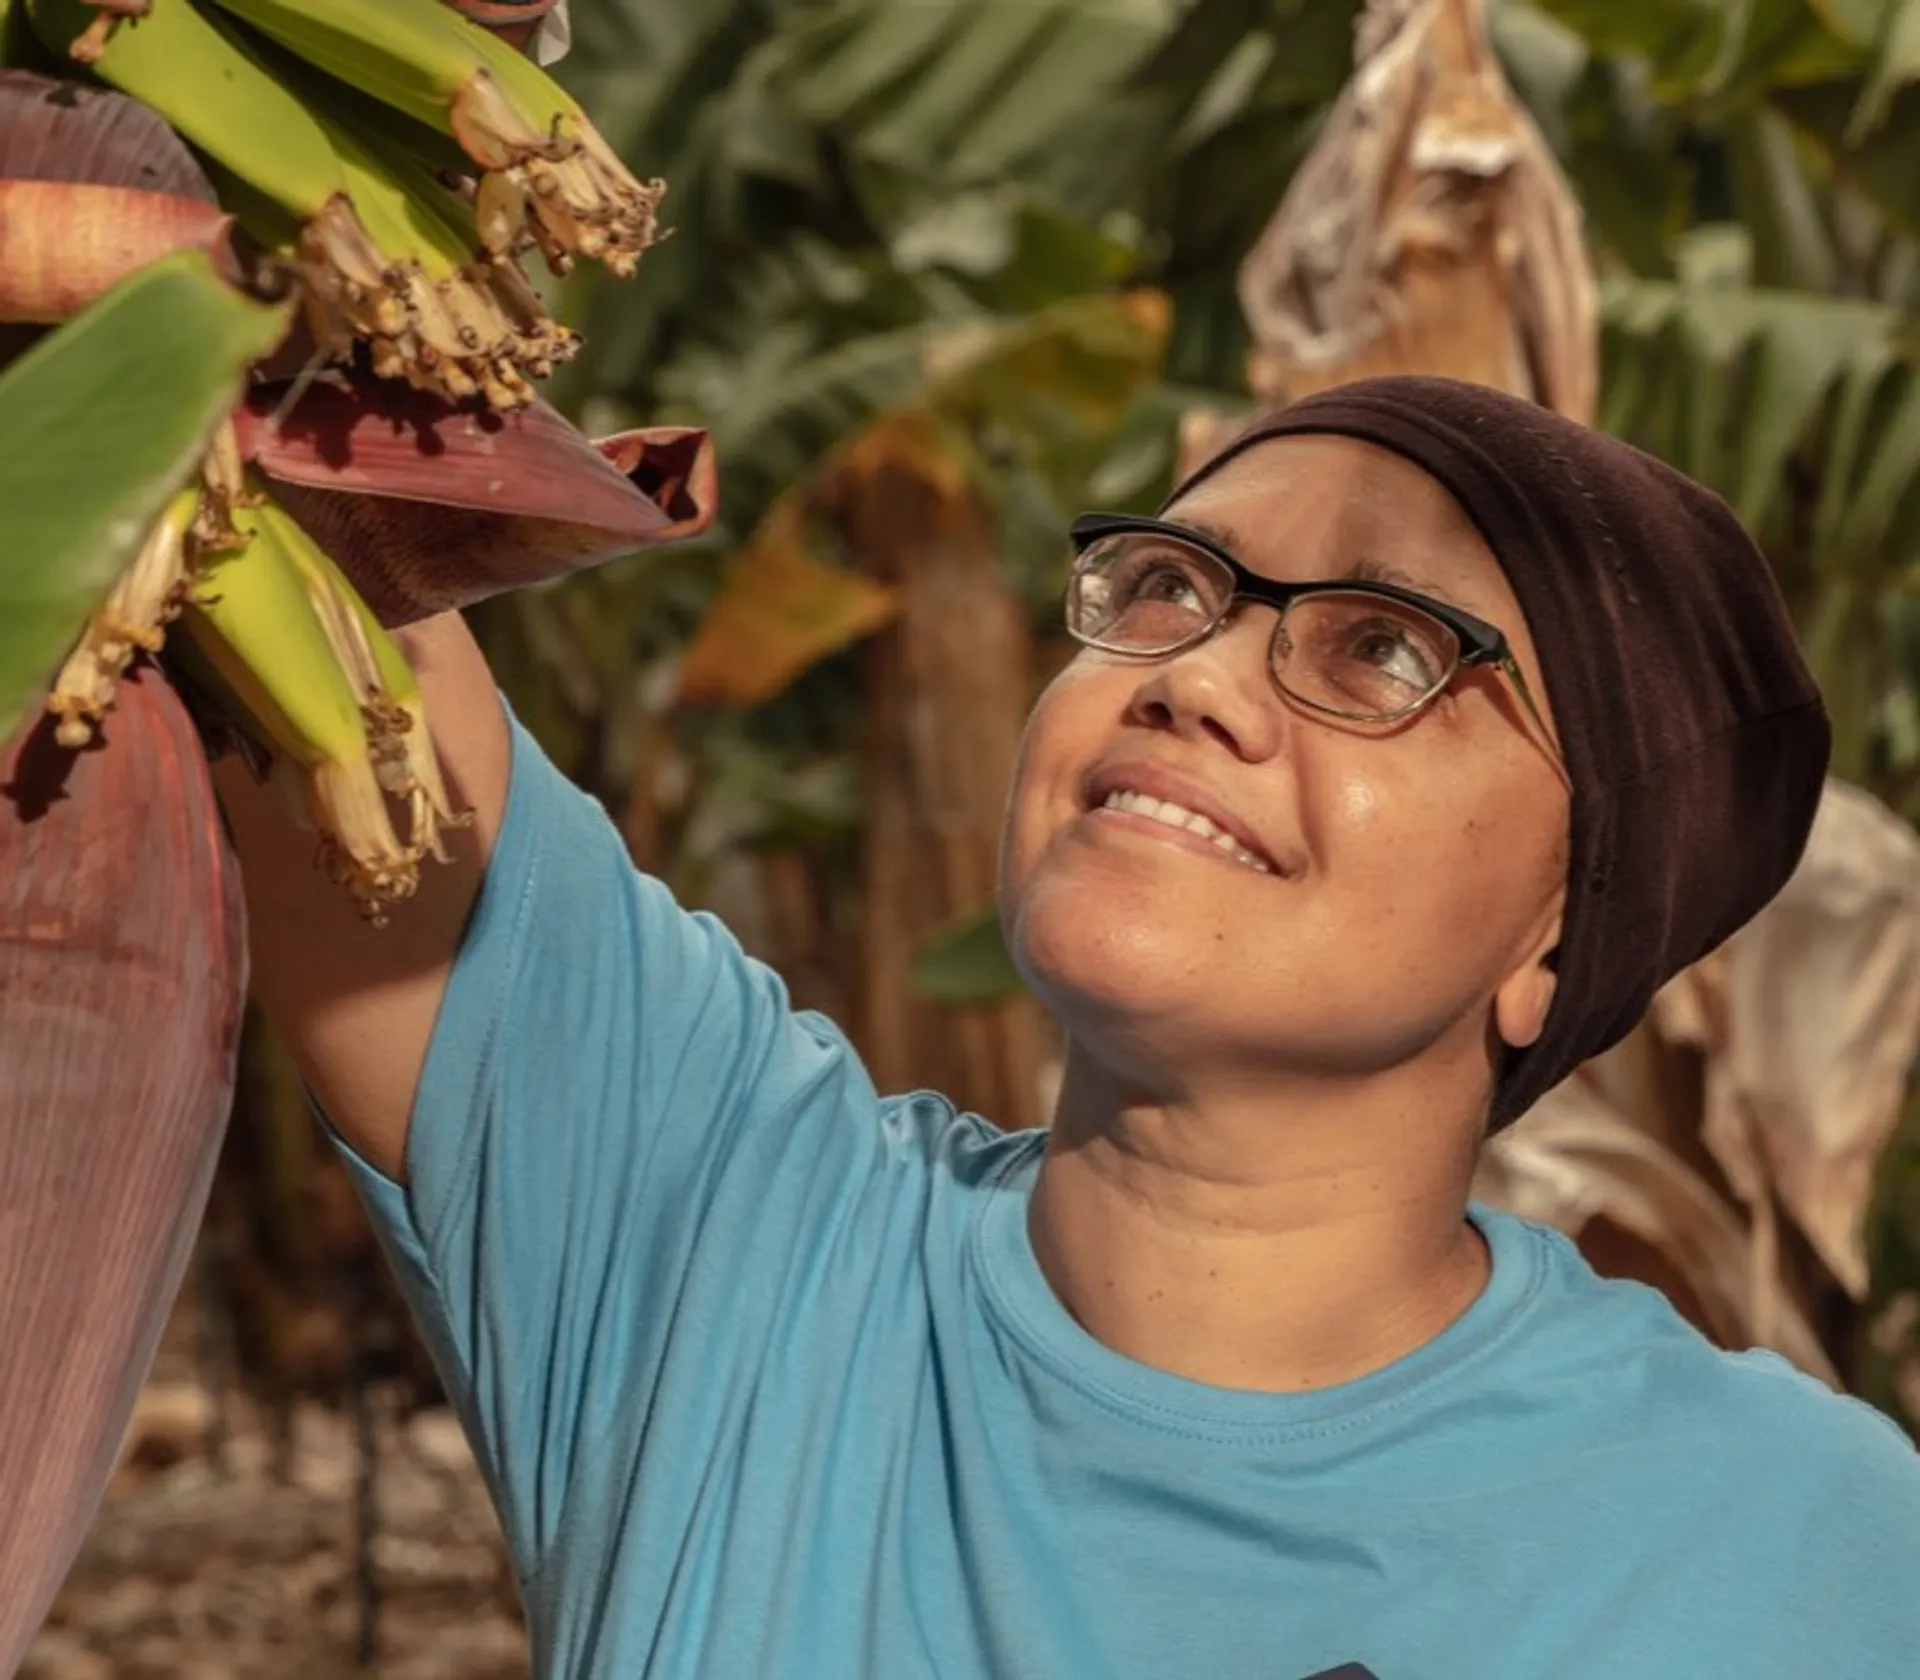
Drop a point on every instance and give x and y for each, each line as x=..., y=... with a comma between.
x=1152, y=799
x=1171, y=824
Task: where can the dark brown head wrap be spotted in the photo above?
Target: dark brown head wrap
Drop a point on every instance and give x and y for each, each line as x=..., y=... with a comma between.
x=1693, y=732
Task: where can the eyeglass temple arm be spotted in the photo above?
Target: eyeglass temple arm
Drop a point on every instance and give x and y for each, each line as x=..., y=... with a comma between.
x=1511, y=667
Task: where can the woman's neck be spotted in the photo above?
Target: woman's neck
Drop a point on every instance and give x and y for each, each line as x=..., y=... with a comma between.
x=1256, y=1244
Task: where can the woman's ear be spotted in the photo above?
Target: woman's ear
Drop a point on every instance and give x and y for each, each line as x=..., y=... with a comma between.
x=1520, y=1005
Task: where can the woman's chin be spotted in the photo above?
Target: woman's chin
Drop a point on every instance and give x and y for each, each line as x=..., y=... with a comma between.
x=1081, y=956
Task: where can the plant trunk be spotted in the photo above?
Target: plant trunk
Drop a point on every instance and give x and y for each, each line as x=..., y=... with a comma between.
x=948, y=684
x=122, y=981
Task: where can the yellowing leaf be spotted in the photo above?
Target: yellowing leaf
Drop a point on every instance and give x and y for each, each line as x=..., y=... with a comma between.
x=780, y=611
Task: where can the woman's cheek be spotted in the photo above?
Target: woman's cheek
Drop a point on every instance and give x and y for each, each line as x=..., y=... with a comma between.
x=1360, y=804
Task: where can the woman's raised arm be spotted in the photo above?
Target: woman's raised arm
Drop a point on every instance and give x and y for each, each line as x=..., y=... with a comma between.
x=356, y=1004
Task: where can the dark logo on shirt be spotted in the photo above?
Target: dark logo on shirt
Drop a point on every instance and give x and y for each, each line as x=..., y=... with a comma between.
x=1346, y=1671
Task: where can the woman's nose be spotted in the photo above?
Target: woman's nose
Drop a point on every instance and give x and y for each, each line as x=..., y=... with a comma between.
x=1222, y=690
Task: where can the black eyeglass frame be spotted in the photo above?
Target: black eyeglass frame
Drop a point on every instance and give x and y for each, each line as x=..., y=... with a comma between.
x=1480, y=643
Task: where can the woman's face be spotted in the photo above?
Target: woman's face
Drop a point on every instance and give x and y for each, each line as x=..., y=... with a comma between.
x=1404, y=881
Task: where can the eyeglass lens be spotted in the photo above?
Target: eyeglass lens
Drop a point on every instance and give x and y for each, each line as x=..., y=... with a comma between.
x=1348, y=652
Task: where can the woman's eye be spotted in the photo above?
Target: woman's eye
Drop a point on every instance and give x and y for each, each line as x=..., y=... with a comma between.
x=1396, y=653
x=1166, y=584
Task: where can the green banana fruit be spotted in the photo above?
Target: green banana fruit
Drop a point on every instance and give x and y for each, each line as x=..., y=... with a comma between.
x=455, y=333
x=257, y=636
x=376, y=265
x=198, y=73
x=548, y=176
x=473, y=310
x=391, y=702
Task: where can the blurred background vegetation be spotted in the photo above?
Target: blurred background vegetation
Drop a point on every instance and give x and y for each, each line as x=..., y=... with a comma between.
x=943, y=272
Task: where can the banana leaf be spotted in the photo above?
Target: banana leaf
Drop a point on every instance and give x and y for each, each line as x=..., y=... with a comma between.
x=100, y=423
x=779, y=611
x=1703, y=52
x=968, y=90
x=1732, y=383
x=965, y=965
x=1804, y=412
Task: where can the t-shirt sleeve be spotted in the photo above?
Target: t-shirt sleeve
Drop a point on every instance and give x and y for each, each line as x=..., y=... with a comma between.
x=1858, y=1587
x=611, y=1084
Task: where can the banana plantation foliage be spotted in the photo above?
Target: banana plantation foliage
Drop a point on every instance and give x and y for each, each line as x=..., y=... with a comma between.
x=318, y=316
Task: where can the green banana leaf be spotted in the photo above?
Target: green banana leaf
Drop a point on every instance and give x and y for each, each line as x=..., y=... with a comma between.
x=1706, y=53
x=1804, y=411
x=100, y=423
x=972, y=87
x=1735, y=385
x=1879, y=164
x=965, y=965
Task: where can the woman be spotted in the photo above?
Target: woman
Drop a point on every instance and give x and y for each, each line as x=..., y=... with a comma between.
x=1221, y=1375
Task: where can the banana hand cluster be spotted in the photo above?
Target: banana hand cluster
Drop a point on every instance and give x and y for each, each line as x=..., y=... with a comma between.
x=404, y=158
x=400, y=162
x=268, y=628
x=548, y=177
x=271, y=630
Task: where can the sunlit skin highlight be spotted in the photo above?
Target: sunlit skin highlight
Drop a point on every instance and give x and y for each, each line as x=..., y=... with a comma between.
x=1276, y=1082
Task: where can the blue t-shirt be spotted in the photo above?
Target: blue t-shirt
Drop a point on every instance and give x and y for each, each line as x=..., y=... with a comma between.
x=766, y=1381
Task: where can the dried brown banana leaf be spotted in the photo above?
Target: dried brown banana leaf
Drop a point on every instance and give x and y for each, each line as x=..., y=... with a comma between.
x=1429, y=230
x=1809, y=1018
x=1578, y=1164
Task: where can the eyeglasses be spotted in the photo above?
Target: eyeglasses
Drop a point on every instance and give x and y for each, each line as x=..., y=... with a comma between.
x=1369, y=653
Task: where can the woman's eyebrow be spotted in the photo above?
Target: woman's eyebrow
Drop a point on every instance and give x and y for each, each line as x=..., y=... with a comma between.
x=1220, y=534
x=1367, y=569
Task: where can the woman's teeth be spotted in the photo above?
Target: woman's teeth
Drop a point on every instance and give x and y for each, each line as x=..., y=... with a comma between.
x=1178, y=816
